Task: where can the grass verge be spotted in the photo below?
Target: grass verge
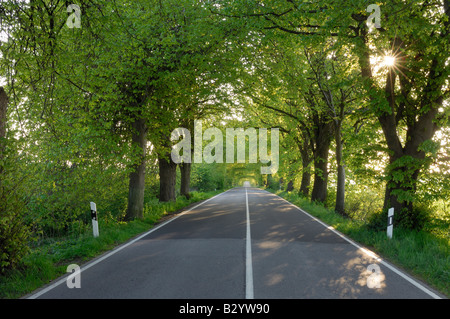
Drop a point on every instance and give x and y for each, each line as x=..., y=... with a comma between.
x=49, y=260
x=425, y=255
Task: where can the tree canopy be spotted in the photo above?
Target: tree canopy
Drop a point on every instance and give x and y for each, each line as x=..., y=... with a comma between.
x=92, y=91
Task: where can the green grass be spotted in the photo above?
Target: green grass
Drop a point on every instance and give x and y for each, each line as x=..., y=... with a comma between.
x=49, y=258
x=424, y=254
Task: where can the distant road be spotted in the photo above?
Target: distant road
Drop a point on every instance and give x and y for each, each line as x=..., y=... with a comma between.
x=242, y=244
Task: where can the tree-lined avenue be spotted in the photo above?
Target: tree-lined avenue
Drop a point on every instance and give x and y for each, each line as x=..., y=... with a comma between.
x=202, y=254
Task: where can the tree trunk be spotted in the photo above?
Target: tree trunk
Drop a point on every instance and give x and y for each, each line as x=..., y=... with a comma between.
x=322, y=136
x=306, y=169
x=319, y=192
x=3, y=110
x=135, y=208
x=167, y=179
x=401, y=188
x=306, y=182
x=391, y=199
x=340, y=191
x=290, y=186
x=321, y=149
x=185, y=170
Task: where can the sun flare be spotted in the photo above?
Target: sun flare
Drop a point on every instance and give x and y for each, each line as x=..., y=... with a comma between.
x=389, y=60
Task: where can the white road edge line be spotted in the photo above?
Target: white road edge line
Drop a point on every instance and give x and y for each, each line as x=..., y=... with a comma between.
x=368, y=252
x=249, y=294
x=116, y=250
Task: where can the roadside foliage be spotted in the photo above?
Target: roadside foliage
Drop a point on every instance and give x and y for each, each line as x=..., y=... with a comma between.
x=91, y=92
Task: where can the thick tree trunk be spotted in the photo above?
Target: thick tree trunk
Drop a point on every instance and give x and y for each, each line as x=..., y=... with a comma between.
x=401, y=188
x=322, y=140
x=290, y=186
x=340, y=191
x=306, y=182
x=306, y=169
x=167, y=179
x=391, y=199
x=319, y=192
x=185, y=170
x=135, y=208
x=322, y=147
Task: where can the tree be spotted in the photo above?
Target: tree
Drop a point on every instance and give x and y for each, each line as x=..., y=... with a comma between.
x=334, y=76
x=416, y=103
x=3, y=111
x=412, y=100
x=299, y=102
x=14, y=233
x=158, y=62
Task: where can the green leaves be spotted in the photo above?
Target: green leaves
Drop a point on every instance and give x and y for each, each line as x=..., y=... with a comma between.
x=293, y=65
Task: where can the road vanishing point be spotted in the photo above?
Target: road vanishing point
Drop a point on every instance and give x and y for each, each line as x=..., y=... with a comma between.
x=245, y=243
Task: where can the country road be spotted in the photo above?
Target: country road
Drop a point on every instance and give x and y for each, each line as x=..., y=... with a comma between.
x=245, y=243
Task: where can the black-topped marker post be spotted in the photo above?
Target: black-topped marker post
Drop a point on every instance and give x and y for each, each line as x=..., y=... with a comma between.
x=390, y=226
x=94, y=219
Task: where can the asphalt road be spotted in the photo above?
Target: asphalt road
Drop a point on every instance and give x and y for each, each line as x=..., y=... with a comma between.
x=242, y=244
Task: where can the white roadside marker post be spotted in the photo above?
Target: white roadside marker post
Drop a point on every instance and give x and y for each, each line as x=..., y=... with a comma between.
x=390, y=222
x=94, y=219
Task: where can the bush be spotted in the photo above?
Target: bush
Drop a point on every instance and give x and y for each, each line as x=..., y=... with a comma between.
x=416, y=219
x=14, y=233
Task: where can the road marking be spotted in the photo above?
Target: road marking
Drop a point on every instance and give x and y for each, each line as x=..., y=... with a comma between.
x=116, y=250
x=367, y=252
x=248, y=261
